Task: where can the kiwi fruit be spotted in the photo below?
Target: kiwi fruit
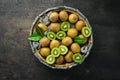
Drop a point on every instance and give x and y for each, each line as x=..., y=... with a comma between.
x=77, y=57
x=50, y=59
x=63, y=15
x=60, y=35
x=55, y=52
x=68, y=56
x=51, y=35
x=73, y=18
x=44, y=42
x=54, y=43
x=53, y=16
x=54, y=27
x=67, y=41
x=65, y=26
x=43, y=26
x=75, y=47
x=44, y=51
x=79, y=25
x=63, y=49
x=60, y=60
x=72, y=32
x=86, y=31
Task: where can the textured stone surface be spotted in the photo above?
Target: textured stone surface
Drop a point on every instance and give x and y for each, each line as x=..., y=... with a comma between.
x=17, y=61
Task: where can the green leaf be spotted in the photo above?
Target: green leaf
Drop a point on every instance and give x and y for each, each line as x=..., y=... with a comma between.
x=34, y=37
x=79, y=40
x=40, y=31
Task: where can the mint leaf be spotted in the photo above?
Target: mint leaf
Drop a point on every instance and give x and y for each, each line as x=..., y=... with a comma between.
x=40, y=31
x=34, y=37
x=79, y=40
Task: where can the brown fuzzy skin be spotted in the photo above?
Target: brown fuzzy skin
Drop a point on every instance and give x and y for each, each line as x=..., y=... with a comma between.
x=75, y=48
x=68, y=57
x=54, y=27
x=54, y=43
x=63, y=15
x=72, y=32
x=44, y=42
x=67, y=41
x=60, y=60
x=79, y=25
x=43, y=26
x=73, y=18
x=44, y=51
x=53, y=17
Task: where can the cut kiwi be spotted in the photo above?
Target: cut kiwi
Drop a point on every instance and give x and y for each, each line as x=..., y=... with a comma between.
x=65, y=26
x=50, y=59
x=86, y=31
x=77, y=57
x=55, y=52
x=60, y=35
x=51, y=35
x=63, y=49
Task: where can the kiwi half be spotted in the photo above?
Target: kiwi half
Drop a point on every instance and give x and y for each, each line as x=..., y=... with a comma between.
x=86, y=31
x=60, y=35
x=65, y=26
x=51, y=35
x=55, y=52
x=50, y=59
x=63, y=49
x=77, y=57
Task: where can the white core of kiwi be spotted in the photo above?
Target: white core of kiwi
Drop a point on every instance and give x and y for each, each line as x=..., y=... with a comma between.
x=51, y=35
x=65, y=26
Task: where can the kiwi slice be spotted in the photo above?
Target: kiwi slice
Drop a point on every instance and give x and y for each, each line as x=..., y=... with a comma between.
x=60, y=35
x=65, y=26
x=51, y=35
x=55, y=52
x=86, y=31
x=63, y=49
x=77, y=57
x=50, y=59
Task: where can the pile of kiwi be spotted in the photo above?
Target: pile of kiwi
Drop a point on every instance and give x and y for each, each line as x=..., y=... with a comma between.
x=58, y=47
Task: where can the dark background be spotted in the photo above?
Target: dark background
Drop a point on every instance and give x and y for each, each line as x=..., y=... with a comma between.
x=17, y=61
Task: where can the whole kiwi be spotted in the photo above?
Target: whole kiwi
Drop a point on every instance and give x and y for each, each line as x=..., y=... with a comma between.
x=67, y=41
x=72, y=32
x=75, y=48
x=53, y=16
x=44, y=42
x=44, y=51
x=63, y=15
x=60, y=60
x=73, y=18
x=68, y=57
x=54, y=27
x=54, y=43
x=43, y=26
x=79, y=25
